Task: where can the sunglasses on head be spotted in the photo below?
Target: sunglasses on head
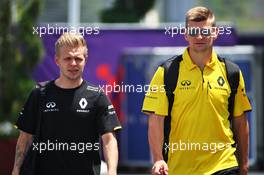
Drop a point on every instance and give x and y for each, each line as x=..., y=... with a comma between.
x=196, y=31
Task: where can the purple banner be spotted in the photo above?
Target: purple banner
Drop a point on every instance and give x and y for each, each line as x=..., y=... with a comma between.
x=106, y=48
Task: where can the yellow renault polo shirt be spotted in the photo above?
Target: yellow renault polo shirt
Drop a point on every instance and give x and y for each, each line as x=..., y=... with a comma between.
x=200, y=138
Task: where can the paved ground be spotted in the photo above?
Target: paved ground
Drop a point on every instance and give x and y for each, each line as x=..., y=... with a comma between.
x=253, y=173
x=104, y=168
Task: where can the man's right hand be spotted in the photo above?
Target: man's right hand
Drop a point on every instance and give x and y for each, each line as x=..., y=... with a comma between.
x=155, y=137
x=15, y=171
x=160, y=167
x=24, y=142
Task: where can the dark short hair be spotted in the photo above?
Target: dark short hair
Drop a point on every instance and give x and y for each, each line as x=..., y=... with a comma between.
x=198, y=14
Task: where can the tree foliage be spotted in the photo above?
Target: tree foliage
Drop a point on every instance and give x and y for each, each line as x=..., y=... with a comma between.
x=20, y=50
x=126, y=11
x=224, y=9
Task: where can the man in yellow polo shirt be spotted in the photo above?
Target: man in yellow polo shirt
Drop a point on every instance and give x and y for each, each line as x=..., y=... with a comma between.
x=200, y=139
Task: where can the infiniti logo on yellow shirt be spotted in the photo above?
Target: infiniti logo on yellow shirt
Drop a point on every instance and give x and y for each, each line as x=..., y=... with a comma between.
x=186, y=83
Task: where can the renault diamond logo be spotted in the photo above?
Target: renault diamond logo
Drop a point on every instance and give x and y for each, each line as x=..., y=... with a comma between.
x=186, y=83
x=220, y=81
x=50, y=104
x=83, y=103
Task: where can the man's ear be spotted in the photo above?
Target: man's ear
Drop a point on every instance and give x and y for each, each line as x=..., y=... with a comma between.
x=56, y=60
x=186, y=34
x=86, y=59
x=214, y=32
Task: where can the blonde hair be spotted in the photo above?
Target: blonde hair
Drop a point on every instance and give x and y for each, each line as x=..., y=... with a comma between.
x=71, y=40
x=198, y=14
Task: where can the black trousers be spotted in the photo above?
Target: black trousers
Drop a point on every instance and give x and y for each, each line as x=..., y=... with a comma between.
x=229, y=171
